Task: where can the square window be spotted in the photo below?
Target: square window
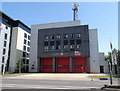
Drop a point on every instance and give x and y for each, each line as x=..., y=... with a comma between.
x=25, y=41
x=4, y=51
x=72, y=36
x=5, y=43
x=25, y=35
x=52, y=48
x=78, y=35
x=57, y=47
x=46, y=37
x=52, y=37
x=65, y=36
x=24, y=48
x=45, y=48
x=3, y=58
x=28, y=49
x=5, y=36
x=28, y=37
x=58, y=36
x=28, y=43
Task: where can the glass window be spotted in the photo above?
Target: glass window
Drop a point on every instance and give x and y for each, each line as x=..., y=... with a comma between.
x=78, y=35
x=28, y=37
x=65, y=46
x=52, y=37
x=28, y=49
x=28, y=55
x=25, y=35
x=5, y=36
x=25, y=41
x=57, y=47
x=71, y=35
x=24, y=54
x=52, y=48
x=27, y=61
x=78, y=47
x=65, y=36
x=28, y=43
x=46, y=37
x=24, y=48
x=3, y=58
x=4, y=50
x=5, y=43
x=58, y=36
x=45, y=48
x=72, y=47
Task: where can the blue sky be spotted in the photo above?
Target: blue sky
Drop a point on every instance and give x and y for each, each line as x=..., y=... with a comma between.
x=99, y=15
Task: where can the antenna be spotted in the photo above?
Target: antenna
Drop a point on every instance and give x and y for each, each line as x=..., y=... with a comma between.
x=75, y=10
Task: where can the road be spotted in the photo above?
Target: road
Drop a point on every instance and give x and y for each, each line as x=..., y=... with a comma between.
x=84, y=83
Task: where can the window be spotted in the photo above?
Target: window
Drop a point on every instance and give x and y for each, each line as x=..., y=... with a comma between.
x=25, y=35
x=24, y=61
x=72, y=47
x=58, y=36
x=3, y=58
x=28, y=43
x=27, y=61
x=24, y=54
x=65, y=47
x=78, y=47
x=5, y=43
x=28, y=55
x=46, y=37
x=24, y=48
x=57, y=47
x=28, y=49
x=71, y=36
x=65, y=36
x=78, y=41
x=6, y=27
x=45, y=48
x=5, y=36
x=4, y=50
x=52, y=48
x=52, y=37
x=25, y=41
x=78, y=35
x=72, y=42
x=28, y=37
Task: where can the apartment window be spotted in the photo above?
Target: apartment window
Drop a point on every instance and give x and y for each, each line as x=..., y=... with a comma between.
x=58, y=36
x=5, y=36
x=52, y=48
x=72, y=36
x=6, y=27
x=24, y=48
x=52, y=37
x=65, y=47
x=45, y=48
x=57, y=47
x=72, y=42
x=27, y=61
x=24, y=54
x=46, y=37
x=65, y=36
x=3, y=59
x=78, y=41
x=25, y=35
x=25, y=41
x=28, y=49
x=28, y=43
x=72, y=47
x=4, y=50
x=5, y=43
x=28, y=55
x=28, y=37
x=24, y=61
x=78, y=47
x=78, y=35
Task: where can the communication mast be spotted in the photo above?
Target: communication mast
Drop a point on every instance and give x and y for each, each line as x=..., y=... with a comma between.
x=75, y=10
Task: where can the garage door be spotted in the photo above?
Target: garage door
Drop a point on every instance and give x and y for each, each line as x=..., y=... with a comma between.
x=63, y=65
x=46, y=64
x=79, y=64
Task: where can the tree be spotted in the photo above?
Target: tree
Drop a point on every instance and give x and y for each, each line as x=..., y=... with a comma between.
x=20, y=65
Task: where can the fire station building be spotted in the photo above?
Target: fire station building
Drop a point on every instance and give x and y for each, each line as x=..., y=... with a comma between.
x=64, y=47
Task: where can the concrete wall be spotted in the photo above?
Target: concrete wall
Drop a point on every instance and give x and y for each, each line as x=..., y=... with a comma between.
x=34, y=40
x=103, y=63
x=94, y=52
x=2, y=33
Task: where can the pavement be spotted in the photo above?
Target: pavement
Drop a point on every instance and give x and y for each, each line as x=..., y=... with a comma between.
x=53, y=81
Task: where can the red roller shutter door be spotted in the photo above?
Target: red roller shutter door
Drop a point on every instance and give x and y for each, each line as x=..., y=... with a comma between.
x=80, y=64
x=46, y=65
x=63, y=65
